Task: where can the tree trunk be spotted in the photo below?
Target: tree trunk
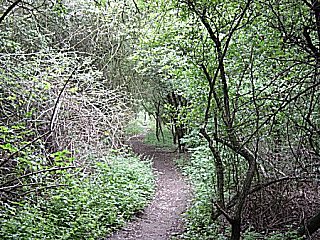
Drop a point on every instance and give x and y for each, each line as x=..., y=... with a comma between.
x=311, y=226
x=236, y=229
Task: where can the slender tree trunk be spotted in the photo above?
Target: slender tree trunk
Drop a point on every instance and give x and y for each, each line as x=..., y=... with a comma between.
x=236, y=229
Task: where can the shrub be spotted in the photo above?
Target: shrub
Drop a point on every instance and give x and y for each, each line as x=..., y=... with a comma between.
x=199, y=168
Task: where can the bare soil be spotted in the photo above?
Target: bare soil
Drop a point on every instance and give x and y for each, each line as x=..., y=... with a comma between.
x=162, y=218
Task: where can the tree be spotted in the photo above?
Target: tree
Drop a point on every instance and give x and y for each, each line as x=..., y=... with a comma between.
x=243, y=88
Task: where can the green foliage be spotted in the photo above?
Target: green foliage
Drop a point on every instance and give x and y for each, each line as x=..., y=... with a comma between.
x=267, y=102
x=62, y=158
x=134, y=127
x=251, y=235
x=93, y=203
x=199, y=168
x=54, y=62
x=247, y=78
x=166, y=140
x=15, y=137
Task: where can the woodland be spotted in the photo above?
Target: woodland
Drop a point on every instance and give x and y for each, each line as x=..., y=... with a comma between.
x=233, y=85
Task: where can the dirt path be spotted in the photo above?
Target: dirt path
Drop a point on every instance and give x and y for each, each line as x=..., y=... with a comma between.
x=162, y=218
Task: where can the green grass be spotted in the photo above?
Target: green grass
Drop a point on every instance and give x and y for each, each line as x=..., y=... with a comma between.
x=94, y=204
x=140, y=125
x=134, y=127
x=165, y=142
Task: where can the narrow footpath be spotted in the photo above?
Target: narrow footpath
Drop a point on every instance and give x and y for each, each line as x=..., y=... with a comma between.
x=162, y=218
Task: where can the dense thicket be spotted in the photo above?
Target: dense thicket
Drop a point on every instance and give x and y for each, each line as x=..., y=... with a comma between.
x=62, y=86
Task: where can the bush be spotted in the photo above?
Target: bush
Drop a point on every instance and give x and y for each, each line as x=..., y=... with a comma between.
x=92, y=205
x=200, y=170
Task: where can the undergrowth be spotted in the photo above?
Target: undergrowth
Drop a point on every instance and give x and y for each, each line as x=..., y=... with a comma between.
x=199, y=168
x=95, y=202
x=165, y=140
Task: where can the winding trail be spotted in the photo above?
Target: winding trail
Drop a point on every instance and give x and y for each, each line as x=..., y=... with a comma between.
x=162, y=217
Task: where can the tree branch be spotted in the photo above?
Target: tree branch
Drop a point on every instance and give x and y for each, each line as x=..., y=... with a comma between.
x=9, y=9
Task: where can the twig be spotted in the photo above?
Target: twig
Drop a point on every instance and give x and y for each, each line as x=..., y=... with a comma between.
x=136, y=6
x=227, y=216
x=55, y=109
